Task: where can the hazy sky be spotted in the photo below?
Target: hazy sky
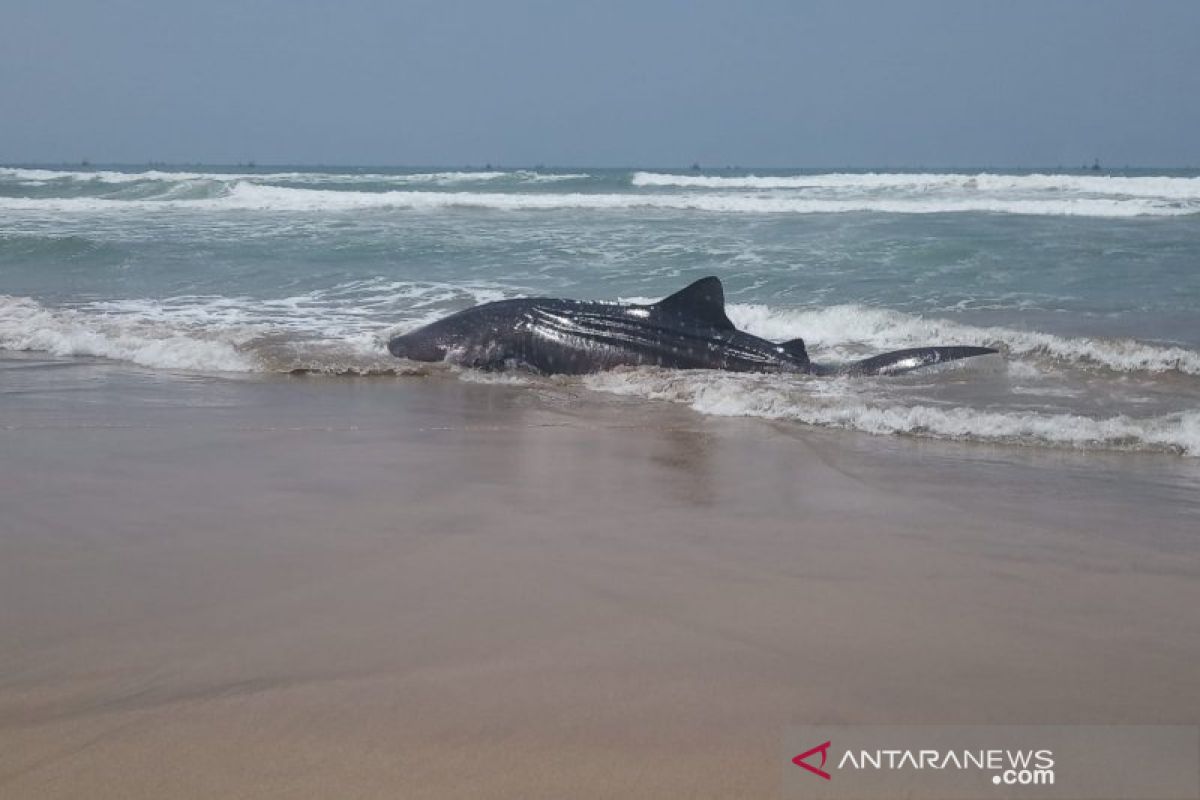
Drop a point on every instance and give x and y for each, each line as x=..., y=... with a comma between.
x=601, y=83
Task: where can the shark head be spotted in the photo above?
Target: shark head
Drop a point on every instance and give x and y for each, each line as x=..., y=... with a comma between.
x=472, y=337
x=417, y=346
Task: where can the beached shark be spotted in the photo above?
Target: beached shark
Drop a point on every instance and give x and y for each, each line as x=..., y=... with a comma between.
x=687, y=330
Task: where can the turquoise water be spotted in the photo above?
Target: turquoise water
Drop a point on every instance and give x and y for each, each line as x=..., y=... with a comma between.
x=1089, y=282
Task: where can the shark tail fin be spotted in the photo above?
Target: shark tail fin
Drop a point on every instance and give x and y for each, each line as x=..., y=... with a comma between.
x=901, y=361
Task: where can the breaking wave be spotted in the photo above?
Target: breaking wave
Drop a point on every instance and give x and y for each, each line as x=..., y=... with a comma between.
x=839, y=328
x=103, y=190
x=246, y=196
x=27, y=325
x=816, y=403
x=342, y=330
x=33, y=176
x=1165, y=187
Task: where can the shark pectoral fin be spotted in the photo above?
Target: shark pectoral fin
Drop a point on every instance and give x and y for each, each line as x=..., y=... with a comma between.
x=703, y=300
x=796, y=349
x=913, y=358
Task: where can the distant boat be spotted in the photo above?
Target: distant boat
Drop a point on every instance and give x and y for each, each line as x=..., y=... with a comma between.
x=1096, y=165
x=696, y=166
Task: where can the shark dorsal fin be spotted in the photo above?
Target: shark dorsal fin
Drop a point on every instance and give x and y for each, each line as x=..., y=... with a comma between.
x=703, y=300
x=796, y=349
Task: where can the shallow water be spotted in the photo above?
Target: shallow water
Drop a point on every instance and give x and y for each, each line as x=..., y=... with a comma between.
x=1087, y=282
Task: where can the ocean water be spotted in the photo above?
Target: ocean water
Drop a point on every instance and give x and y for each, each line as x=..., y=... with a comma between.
x=1088, y=282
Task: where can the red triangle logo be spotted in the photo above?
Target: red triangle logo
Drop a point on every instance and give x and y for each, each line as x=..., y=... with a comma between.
x=823, y=749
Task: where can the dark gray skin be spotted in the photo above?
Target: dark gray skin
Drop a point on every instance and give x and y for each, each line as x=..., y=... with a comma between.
x=688, y=330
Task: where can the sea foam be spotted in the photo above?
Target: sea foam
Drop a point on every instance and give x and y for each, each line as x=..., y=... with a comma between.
x=836, y=327
x=445, y=177
x=812, y=402
x=27, y=325
x=338, y=330
x=1177, y=188
x=248, y=196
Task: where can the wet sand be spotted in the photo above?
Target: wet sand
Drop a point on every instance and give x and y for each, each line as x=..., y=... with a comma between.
x=422, y=587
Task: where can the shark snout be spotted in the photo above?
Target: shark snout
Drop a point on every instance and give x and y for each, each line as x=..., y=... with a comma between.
x=416, y=348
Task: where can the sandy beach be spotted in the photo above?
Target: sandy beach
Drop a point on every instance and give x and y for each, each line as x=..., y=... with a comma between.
x=425, y=587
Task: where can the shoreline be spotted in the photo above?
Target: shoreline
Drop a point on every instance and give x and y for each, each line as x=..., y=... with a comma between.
x=281, y=586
